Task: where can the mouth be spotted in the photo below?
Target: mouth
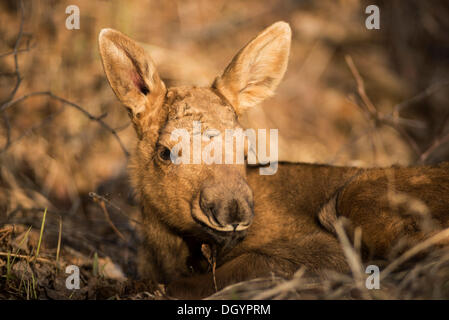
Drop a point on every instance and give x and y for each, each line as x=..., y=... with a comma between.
x=228, y=228
x=224, y=237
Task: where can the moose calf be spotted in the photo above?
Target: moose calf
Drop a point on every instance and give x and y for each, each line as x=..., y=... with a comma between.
x=256, y=225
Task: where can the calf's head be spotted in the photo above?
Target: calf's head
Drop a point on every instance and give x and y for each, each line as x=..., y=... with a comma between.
x=207, y=200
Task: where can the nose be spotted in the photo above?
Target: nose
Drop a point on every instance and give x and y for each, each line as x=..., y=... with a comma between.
x=227, y=210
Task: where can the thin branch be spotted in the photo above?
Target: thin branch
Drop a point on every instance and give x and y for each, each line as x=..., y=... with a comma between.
x=420, y=96
x=73, y=105
x=40, y=125
x=210, y=253
x=15, y=53
x=10, y=101
x=438, y=141
x=361, y=86
x=412, y=143
x=98, y=198
x=8, y=131
x=371, y=125
x=435, y=145
x=436, y=239
x=108, y=219
x=28, y=258
x=376, y=116
x=394, y=121
x=26, y=49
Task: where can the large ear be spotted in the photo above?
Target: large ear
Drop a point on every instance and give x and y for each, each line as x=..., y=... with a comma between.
x=256, y=70
x=133, y=77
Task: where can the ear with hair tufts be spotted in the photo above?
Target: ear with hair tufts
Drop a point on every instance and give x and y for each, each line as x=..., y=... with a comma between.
x=257, y=69
x=134, y=79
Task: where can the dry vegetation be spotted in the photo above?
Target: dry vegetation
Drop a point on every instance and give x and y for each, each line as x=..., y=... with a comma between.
x=350, y=97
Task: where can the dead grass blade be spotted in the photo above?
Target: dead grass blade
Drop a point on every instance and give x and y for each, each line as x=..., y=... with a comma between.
x=283, y=287
x=28, y=258
x=435, y=239
x=41, y=233
x=58, y=248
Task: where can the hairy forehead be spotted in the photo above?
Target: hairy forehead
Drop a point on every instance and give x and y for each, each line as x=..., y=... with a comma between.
x=186, y=105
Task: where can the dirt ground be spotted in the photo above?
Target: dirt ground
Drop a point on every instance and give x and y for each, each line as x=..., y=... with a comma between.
x=64, y=137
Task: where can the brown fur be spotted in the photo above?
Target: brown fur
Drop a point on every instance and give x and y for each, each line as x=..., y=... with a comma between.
x=291, y=214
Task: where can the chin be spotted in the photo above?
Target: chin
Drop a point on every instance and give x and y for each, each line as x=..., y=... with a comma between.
x=222, y=240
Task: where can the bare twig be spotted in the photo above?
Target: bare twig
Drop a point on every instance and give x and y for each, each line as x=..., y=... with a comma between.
x=412, y=143
x=8, y=130
x=98, y=198
x=361, y=87
x=420, y=96
x=16, y=72
x=29, y=131
x=6, y=232
x=28, y=258
x=352, y=256
x=374, y=115
x=210, y=253
x=393, y=120
x=108, y=219
x=291, y=285
x=73, y=105
x=15, y=53
x=435, y=145
x=10, y=101
x=438, y=141
x=435, y=239
x=371, y=125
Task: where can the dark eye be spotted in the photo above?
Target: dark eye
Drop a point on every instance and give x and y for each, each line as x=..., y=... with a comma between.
x=164, y=153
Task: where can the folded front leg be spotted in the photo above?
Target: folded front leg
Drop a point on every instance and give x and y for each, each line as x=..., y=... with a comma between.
x=245, y=267
x=317, y=252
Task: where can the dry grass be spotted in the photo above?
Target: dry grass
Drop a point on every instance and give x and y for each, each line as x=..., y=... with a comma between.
x=64, y=139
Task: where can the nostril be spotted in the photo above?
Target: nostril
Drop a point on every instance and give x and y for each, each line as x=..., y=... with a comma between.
x=210, y=210
x=213, y=214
